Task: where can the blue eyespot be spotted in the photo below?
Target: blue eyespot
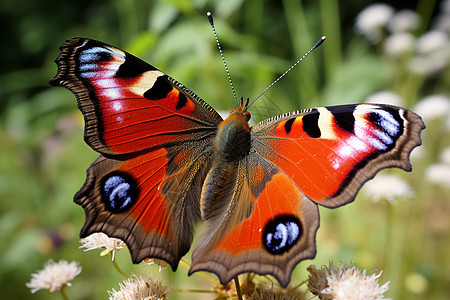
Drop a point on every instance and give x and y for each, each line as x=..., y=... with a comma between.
x=119, y=191
x=282, y=233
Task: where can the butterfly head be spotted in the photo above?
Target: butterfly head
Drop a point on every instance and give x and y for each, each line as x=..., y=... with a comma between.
x=242, y=109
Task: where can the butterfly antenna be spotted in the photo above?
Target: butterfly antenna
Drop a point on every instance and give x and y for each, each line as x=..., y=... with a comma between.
x=319, y=42
x=210, y=19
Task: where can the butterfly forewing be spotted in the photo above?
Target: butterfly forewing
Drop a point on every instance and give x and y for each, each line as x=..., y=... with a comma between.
x=330, y=152
x=129, y=105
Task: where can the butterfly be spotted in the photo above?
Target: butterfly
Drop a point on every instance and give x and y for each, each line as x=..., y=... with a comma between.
x=168, y=161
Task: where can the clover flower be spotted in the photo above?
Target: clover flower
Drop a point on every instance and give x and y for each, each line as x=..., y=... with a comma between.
x=345, y=283
x=54, y=276
x=139, y=288
x=100, y=240
x=389, y=187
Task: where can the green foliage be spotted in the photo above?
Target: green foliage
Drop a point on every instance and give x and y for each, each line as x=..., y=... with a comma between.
x=43, y=157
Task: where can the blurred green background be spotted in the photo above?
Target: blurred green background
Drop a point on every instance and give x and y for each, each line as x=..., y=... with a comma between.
x=43, y=156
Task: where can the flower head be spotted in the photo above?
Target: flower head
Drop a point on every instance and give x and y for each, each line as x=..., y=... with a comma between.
x=140, y=288
x=345, y=282
x=445, y=156
x=372, y=19
x=389, y=187
x=404, y=20
x=385, y=97
x=433, y=107
x=398, y=44
x=273, y=294
x=100, y=240
x=54, y=276
x=439, y=174
x=432, y=41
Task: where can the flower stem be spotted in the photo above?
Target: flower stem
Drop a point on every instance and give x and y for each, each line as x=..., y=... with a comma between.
x=185, y=264
x=63, y=293
x=116, y=266
x=191, y=291
x=238, y=288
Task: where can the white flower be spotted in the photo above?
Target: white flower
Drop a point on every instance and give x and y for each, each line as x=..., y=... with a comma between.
x=54, y=276
x=442, y=22
x=426, y=65
x=439, y=174
x=138, y=288
x=433, y=107
x=398, y=44
x=404, y=20
x=389, y=187
x=385, y=97
x=345, y=283
x=99, y=240
x=417, y=153
x=445, y=156
x=432, y=41
x=372, y=19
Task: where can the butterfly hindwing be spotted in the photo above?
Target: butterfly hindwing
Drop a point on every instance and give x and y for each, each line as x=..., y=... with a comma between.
x=149, y=201
x=124, y=100
x=277, y=232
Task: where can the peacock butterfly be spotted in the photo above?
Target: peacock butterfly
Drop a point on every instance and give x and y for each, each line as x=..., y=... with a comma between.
x=168, y=160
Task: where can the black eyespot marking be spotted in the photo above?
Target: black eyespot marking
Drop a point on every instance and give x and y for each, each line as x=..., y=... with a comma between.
x=89, y=55
x=132, y=67
x=288, y=125
x=345, y=120
x=311, y=124
x=282, y=233
x=388, y=120
x=182, y=100
x=119, y=191
x=159, y=90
